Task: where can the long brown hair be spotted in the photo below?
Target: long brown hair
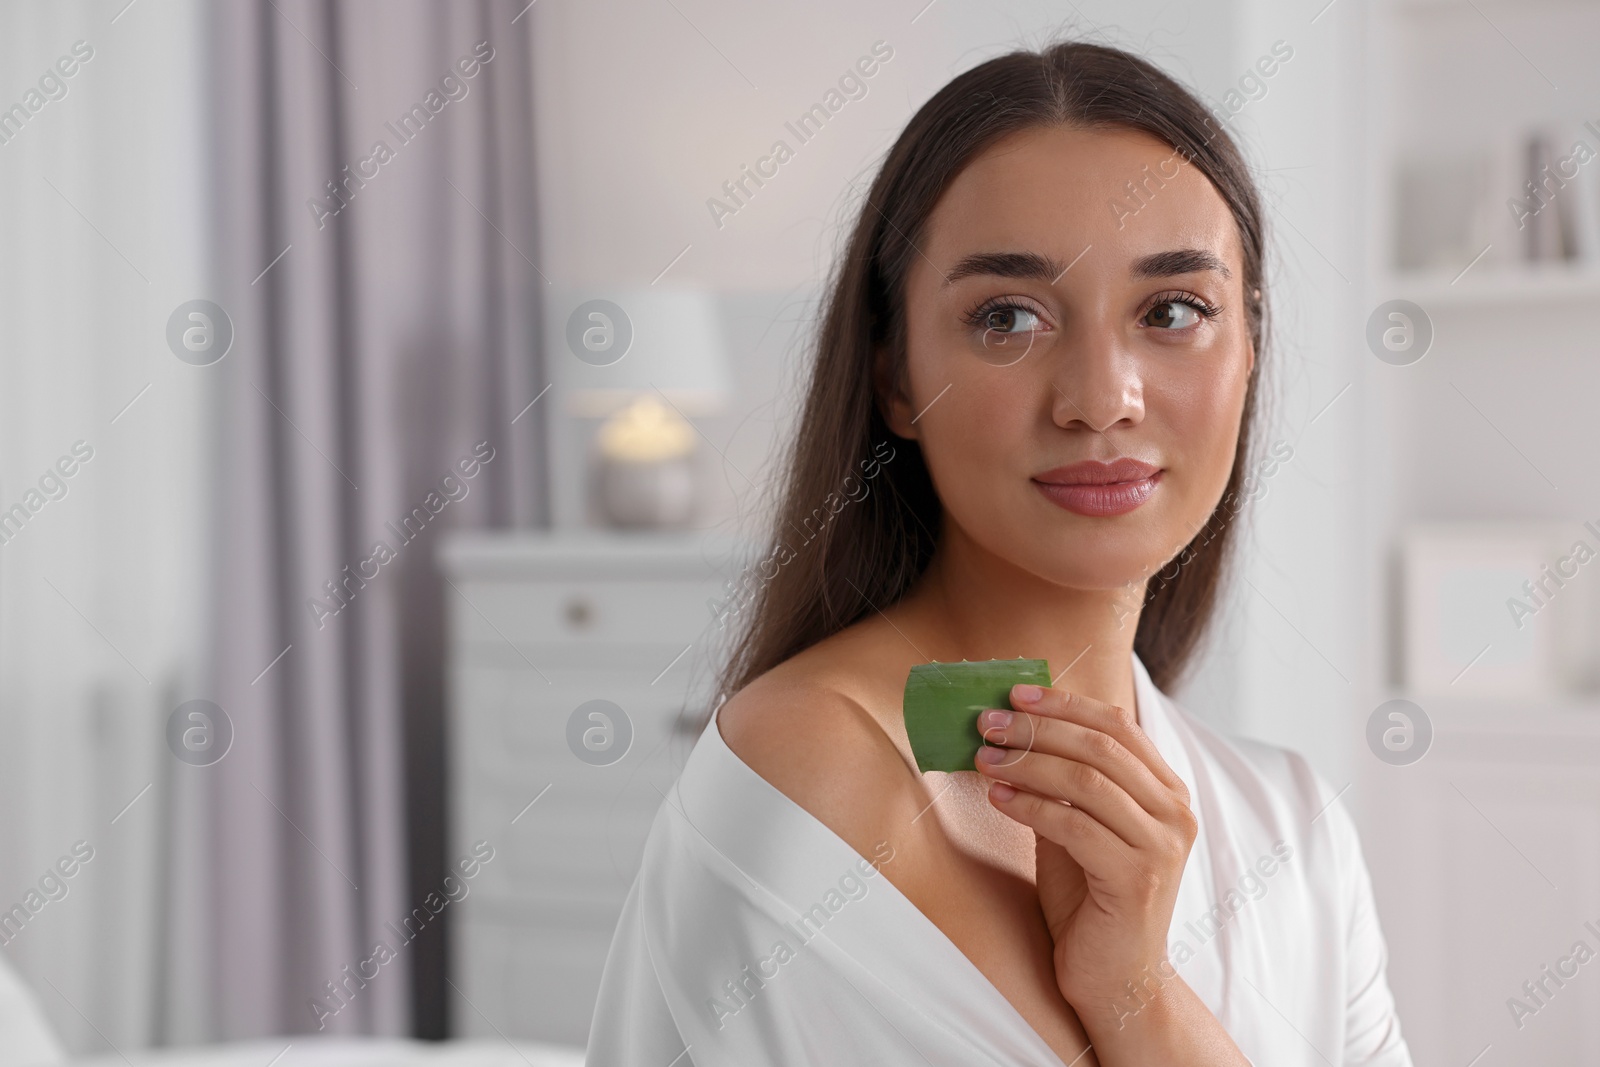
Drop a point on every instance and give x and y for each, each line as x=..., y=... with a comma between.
x=836, y=555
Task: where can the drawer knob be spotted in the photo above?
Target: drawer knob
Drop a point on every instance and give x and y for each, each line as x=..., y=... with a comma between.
x=579, y=613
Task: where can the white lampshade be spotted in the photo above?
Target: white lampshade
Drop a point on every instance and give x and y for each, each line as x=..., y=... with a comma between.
x=676, y=347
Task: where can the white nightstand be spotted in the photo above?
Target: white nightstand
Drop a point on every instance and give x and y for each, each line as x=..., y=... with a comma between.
x=539, y=625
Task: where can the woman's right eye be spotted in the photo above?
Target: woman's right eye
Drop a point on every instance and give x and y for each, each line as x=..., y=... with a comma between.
x=1010, y=319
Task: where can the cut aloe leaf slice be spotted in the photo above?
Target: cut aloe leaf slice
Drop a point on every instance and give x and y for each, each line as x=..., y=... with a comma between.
x=943, y=701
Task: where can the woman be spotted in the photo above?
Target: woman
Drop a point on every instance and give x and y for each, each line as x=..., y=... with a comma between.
x=1027, y=431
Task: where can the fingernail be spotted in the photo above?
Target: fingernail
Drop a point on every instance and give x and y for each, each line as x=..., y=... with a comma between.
x=991, y=754
x=1026, y=693
x=996, y=718
x=1001, y=791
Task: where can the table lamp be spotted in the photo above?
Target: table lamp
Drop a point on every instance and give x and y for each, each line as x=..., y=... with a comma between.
x=671, y=368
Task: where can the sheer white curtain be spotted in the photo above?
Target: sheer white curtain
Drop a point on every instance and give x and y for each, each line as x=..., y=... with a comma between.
x=101, y=237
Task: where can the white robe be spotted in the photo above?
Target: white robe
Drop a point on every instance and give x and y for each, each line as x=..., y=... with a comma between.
x=712, y=963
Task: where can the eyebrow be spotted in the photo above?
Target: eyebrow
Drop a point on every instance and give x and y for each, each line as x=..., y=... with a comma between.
x=1042, y=268
x=1005, y=265
x=1179, y=261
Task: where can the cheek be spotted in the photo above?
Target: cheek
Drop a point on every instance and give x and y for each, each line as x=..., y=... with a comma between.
x=1202, y=412
x=977, y=422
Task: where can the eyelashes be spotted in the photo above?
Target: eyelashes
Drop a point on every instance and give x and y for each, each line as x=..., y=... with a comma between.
x=977, y=318
x=1205, y=307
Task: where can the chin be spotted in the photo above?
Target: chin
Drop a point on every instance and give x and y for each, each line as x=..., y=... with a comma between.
x=1077, y=565
x=1102, y=554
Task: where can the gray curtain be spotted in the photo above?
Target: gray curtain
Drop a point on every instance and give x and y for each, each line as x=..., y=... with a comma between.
x=374, y=213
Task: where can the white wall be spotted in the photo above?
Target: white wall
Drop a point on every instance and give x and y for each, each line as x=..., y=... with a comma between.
x=1306, y=670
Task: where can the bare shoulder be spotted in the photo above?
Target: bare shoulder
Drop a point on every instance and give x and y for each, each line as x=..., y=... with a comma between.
x=814, y=727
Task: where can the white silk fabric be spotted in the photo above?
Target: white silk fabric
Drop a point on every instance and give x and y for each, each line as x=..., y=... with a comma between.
x=753, y=935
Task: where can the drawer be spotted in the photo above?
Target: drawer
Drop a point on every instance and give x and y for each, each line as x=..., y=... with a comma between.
x=585, y=612
x=576, y=856
x=667, y=666
x=561, y=903
x=584, y=835
x=511, y=725
x=533, y=982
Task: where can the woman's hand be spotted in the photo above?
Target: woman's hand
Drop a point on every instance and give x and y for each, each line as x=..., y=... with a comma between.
x=1110, y=858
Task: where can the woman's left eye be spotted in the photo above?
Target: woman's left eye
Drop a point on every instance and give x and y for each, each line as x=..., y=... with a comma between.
x=1172, y=315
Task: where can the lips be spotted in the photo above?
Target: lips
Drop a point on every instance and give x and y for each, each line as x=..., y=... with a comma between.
x=1097, y=489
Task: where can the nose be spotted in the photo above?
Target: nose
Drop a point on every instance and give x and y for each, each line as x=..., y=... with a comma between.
x=1098, y=383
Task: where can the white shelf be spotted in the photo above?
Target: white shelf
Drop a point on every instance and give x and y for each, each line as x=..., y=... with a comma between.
x=1468, y=7
x=1498, y=287
x=1560, y=715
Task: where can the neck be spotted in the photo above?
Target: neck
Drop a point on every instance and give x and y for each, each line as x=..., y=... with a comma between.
x=971, y=604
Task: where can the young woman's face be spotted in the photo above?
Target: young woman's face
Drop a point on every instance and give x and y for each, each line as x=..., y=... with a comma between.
x=1077, y=357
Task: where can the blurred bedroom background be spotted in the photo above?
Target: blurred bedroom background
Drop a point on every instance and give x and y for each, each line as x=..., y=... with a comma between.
x=354, y=587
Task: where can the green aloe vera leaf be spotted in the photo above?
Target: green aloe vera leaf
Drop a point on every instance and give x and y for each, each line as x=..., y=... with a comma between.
x=943, y=702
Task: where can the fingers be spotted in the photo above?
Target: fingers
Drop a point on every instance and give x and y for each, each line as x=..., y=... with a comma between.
x=1096, y=849
x=1027, y=737
x=1118, y=723
x=1079, y=784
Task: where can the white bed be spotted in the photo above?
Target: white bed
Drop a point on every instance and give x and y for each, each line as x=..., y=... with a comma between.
x=345, y=1052
x=27, y=1040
